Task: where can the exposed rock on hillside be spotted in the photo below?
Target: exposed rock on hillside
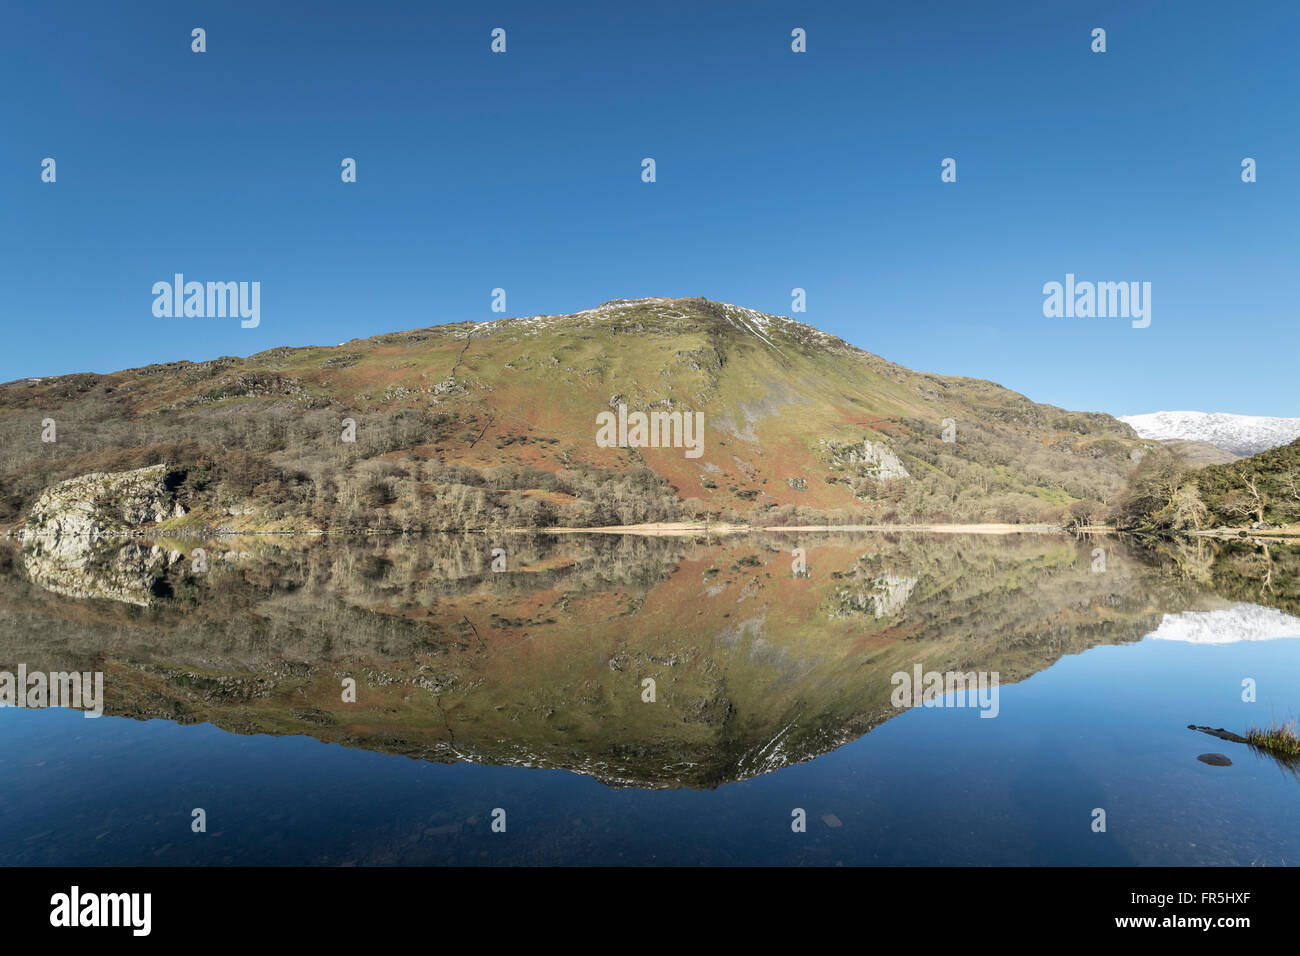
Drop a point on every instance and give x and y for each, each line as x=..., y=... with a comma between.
x=867, y=459
x=93, y=505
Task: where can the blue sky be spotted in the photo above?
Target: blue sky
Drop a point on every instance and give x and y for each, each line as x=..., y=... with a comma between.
x=775, y=170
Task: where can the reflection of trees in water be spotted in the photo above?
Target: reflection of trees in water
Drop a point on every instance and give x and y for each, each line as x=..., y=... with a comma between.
x=542, y=663
x=1258, y=570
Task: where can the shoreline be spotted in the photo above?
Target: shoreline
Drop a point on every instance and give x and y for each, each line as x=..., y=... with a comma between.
x=693, y=528
x=682, y=529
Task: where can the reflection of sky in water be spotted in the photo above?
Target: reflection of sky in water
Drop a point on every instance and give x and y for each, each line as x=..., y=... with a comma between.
x=1106, y=728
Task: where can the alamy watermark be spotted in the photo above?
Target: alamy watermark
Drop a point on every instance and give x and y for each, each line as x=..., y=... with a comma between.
x=76, y=908
x=933, y=689
x=651, y=430
x=82, y=691
x=1100, y=300
x=213, y=300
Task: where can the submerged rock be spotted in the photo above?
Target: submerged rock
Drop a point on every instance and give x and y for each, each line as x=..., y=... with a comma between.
x=1220, y=733
x=1215, y=760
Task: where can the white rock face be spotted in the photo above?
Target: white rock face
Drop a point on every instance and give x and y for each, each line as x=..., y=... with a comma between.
x=1240, y=434
x=1241, y=622
x=868, y=458
x=102, y=503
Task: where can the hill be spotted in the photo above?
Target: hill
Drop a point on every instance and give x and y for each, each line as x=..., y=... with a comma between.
x=467, y=426
x=1198, y=453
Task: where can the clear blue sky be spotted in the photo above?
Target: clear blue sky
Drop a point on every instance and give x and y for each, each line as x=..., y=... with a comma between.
x=775, y=170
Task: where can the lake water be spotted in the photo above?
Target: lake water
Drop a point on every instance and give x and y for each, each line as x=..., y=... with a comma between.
x=521, y=693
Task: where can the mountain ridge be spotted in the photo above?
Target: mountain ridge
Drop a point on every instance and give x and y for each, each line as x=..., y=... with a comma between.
x=1242, y=435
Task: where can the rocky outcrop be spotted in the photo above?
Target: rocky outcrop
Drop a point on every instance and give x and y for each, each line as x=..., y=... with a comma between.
x=866, y=459
x=63, y=546
x=90, y=506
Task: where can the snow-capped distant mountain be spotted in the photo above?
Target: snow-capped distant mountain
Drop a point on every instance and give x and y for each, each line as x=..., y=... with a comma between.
x=1240, y=434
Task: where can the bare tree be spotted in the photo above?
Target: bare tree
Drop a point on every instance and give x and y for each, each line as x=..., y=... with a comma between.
x=1257, y=500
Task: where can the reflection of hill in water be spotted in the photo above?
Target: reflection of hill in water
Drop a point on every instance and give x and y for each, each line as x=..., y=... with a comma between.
x=542, y=664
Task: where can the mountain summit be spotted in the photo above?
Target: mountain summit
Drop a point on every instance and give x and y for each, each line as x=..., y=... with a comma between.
x=475, y=425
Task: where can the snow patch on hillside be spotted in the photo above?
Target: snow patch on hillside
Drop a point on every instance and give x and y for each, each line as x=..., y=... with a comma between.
x=532, y=324
x=759, y=324
x=750, y=321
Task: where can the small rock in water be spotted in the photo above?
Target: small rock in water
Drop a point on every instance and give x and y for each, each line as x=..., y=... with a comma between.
x=1215, y=760
x=831, y=820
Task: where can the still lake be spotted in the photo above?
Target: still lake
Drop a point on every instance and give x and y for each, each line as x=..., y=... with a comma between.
x=669, y=701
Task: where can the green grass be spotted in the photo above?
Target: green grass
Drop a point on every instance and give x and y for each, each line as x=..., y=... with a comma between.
x=1279, y=739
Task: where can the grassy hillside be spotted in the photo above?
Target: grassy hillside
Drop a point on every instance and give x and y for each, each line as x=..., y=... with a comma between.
x=468, y=426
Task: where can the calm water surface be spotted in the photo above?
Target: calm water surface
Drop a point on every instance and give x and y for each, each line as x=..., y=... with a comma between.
x=523, y=690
